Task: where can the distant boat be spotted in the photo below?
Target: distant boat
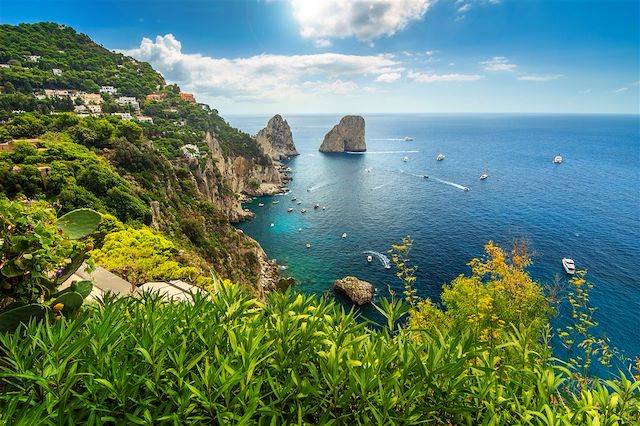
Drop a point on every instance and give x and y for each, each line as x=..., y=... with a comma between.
x=568, y=265
x=272, y=225
x=484, y=176
x=317, y=206
x=465, y=189
x=275, y=202
x=407, y=138
x=367, y=170
x=308, y=245
x=369, y=258
x=344, y=235
x=324, y=208
x=303, y=210
x=290, y=209
x=405, y=159
x=260, y=205
x=293, y=199
x=425, y=177
x=299, y=229
x=308, y=189
x=299, y=202
x=557, y=159
x=440, y=157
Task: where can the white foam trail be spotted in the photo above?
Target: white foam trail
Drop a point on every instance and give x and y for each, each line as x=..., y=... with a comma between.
x=322, y=185
x=386, y=139
x=382, y=186
x=383, y=259
x=382, y=152
x=446, y=182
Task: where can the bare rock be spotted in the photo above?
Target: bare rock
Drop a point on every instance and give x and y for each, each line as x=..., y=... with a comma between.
x=358, y=291
x=276, y=139
x=346, y=136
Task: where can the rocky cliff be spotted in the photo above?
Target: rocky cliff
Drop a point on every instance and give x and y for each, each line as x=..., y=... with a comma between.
x=276, y=139
x=348, y=135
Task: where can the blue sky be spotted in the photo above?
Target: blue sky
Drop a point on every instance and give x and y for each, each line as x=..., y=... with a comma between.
x=267, y=56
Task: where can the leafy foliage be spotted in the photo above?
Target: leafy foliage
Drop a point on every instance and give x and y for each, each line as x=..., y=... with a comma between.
x=294, y=360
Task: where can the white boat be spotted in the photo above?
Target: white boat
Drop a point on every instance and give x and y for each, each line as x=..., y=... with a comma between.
x=299, y=229
x=369, y=258
x=261, y=205
x=568, y=265
x=290, y=209
x=272, y=225
x=465, y=189
x=317, y=206
x=308, y=245
x=483, y=176
x=440, y=157
x=324, y=208
x=275, y=202
x=308, y=189
x=344, y=235
x=303, y=210
x=299, y=202
x=557, y=159
x=407, y=138
x=405, y=159
x=293, y=199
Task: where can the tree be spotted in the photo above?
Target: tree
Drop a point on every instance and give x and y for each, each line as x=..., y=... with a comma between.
x=129, y=130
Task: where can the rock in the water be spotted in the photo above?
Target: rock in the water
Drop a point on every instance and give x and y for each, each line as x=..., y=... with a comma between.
x=348, y=135
x=358, y=291
x=276, y=140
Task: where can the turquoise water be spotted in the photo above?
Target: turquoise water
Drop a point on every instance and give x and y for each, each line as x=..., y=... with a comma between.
x=587, y=208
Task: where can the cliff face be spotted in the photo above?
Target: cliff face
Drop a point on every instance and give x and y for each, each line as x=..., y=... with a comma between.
x=276, y=139
x=348, y=135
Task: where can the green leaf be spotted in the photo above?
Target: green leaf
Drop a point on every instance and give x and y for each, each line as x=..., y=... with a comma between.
x=10, y=320
x=79, y=223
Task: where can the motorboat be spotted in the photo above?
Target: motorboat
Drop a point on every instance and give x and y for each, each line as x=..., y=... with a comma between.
x=484, y=176
x=344, y=235
x=465, y=189
x=261, y=205
x=440, y=157
x=317, y=206
x=308, y=189
x=299, y=229
x=293, y=199
x=369, y=258
x=290, y=209
x=557, y=159
x=275, y=202
x=303, y=210
x=308, y=245
x=407, y=138
x=324, y=208
x=272, y=225
x=299, y=202
x=568, y=265
x=405, y=159
x=425, y=177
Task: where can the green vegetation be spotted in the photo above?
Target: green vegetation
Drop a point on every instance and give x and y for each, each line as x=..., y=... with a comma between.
x=293, y=360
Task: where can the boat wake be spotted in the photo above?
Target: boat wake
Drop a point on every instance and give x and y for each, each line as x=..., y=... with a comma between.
x=381, y=257
x=387, y=139
x=320, y=186
x=381, y=152
x=382, y=186
x=431, y=177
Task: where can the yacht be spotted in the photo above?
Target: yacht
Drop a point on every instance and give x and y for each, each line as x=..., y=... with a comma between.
x=557, y=159
x=261, y=205
x=299, y=202
x=344, y=235
x=407, y=138
x=568, y=265
x=405, y=159
x=369, y=258
x=484, y=175
x=290, y=209
x=303, y=210
x=440, y=157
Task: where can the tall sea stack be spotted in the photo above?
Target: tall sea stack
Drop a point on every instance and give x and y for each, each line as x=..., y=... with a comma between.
x=276, y=139
x=348, y=135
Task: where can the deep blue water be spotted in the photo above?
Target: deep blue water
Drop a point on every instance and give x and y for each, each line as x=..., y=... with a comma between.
x=587, y=208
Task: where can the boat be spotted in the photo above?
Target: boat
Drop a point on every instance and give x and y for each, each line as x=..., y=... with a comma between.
x=317, y=206
x=261, y=205
x=272, y=225
x=289, y=169
x=425, y=177
x=440, y=157
x=405, y=159
x=308, y=189
x=484, y=175
x=407, y=138
x=308, y=245
x=465, y=189
x=299, y=202
x=324, y=208
x=568, y=265
x=290, y=209
x=344, y=235
x=299, y=229
x=303, y=210
x=275, y=202
x=293, y=199
x=557, y=159
x=369, y=258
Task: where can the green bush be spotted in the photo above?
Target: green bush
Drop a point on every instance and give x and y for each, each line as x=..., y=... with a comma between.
x=293, y=360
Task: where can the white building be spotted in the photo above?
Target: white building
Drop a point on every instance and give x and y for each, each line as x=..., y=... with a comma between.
x=190, y=150
x=80, y=109
x=108, y=89
x=123, y=115
x=144, y=119
x=128, y=100
x=33, y=58
x=5, y=66
x=57, y=71
x=95, y=109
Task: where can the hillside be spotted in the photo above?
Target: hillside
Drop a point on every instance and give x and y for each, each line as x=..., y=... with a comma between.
x=104, y=131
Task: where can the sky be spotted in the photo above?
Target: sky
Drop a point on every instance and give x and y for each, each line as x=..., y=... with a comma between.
x=373, y=56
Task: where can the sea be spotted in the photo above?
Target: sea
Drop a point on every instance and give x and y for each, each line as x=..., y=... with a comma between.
x=586, y=208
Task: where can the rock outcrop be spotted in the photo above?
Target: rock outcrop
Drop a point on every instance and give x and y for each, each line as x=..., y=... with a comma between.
x=346, y=136
x=276, y=139
x=358, y=291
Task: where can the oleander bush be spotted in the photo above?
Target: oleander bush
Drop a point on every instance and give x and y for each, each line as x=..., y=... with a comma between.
x=230, y=359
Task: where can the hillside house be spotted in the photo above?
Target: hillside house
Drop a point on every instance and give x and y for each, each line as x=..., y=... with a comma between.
x=90, y=98
x=57, y=71
x=128, y=100
x=95, y=109
x=123, y=115
x=33, y=58
x=110, y=90
x=190, y=151
x=188, y=97
x=144, y=119
x=156, y=96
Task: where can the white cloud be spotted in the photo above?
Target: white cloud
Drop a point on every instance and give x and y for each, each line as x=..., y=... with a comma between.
x=266, y=77
x=389, y=77
x=364, y=19
x=620, y=90
x=464, y=8
x=541, y=78
x=442, y=78
x=498, y=63
x=322, y=42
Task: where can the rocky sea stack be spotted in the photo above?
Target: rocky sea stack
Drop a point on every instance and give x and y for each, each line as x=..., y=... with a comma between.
x=276, y=139
x=358, y=291
x=346, y=136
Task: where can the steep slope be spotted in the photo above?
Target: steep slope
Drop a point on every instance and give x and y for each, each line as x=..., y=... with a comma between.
x=143, y=151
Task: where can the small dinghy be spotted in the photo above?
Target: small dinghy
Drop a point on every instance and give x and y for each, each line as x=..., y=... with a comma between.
x=303, y=210
x=261, y=205
x=308, y=245
x=290, y=209
x=369, y=259
x=317, y=206
x=568, y=265
x=344, y=235
x=275, y=202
